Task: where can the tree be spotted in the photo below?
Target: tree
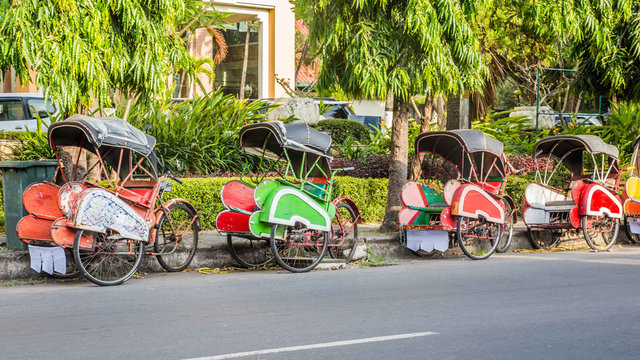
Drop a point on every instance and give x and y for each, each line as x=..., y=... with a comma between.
x=607, y=47
x=371, y=48
x=82, y=52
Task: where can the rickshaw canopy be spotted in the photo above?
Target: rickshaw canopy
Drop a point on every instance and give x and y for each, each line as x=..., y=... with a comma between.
x=304, y=144
x=466, y=149
x=569, y=149
x=105, y=134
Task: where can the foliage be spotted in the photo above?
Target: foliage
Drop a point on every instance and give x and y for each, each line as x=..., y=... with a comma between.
x=374, y=166
x=378, y=143
x=200, y=135
x=374, y=47
x=33, y=145
x=621, y=128
x=511, y=131
x=341, y=128
x=81, y=52
x=607, y=45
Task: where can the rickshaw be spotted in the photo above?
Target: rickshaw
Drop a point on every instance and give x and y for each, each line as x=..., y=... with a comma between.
x=631, y=197
x=108, y=223
x=566, y=196
x=460, y=198
x=291, y=217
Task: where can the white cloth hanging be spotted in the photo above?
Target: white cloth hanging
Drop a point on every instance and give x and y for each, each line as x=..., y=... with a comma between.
x=48, y=259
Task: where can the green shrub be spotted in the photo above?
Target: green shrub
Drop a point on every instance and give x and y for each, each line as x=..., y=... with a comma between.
x=341, y=129
x=199, y=136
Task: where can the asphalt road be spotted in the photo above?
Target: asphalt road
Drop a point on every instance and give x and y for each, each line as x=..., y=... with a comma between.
x=567, y=305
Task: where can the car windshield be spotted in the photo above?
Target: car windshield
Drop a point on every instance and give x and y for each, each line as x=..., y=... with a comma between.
x=37, y=106
x=11, y=110
x=337, y=112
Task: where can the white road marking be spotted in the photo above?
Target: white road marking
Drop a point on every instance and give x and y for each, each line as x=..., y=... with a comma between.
x=317, y=346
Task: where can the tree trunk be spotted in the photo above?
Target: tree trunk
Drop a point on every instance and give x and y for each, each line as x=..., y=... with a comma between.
x=416, y=162
x=398, y=167
x=440, y=112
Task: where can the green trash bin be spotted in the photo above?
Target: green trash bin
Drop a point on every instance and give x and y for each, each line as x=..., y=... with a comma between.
x=16, y=176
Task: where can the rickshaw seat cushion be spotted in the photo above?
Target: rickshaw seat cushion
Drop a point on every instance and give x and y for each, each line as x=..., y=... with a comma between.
x=138, y=195
x=493, y=187
x=139, y=184
x=319, y=192
x=559, y=205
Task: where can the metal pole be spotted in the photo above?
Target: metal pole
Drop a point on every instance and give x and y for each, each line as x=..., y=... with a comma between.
x=537, y=99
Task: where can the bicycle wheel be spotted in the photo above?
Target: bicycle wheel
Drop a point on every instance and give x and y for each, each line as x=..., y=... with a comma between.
x=600, y=232
x=507, y=230
x=477, y=238
x=299, y=249
x=111, y=261
x=72, y=269
x=344, y=233
x=249, y=252
x=177, y=237
x=633, y=238
x=544, y=239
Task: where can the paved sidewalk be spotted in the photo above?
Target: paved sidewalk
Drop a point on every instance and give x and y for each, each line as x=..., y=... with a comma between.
x=213, y=253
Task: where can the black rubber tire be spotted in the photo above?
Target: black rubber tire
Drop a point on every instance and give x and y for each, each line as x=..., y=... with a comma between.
x=83, y=262
x=481, y=253
x=281, y=248
x=633, y=238
x=174, y=260
x=507, y=230
x=604, y=242
x=250, y=253
x=544, y=239
x=343, y=249
x=72, y=269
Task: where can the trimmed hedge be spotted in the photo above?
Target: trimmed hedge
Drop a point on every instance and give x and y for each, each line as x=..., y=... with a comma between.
x=343, y=128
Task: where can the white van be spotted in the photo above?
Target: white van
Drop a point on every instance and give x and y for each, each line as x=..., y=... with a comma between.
x=18, y=111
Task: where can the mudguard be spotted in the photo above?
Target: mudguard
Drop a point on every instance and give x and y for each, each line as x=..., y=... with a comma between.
x=97, y=210
x=287, y=206
x=350, y=202
x=511, y=203
x=471, y=201
x=596, y=200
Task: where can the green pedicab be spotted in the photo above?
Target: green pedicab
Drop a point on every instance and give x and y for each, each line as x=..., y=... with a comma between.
x=294, y=211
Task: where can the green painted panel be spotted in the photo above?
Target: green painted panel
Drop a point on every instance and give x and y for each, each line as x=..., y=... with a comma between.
x=260, y=228
x=433, y=196
x=264, y=189
x=287, y=205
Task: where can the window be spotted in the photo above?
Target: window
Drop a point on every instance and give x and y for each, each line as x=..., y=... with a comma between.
x=36, y=106
x=11, y=110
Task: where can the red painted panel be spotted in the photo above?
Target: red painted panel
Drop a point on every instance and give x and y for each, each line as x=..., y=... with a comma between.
x=231, y=221
x=574, y=218
x=31, y=228
x=448, y=222
x=235, y=194
x=41, y=200
x=413, y=195
x=64, y=235
x=597, y=200
x=407, y=216
x=471, y=201
x=577, y=189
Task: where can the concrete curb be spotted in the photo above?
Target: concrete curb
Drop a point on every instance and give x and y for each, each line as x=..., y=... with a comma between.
x=213, y=253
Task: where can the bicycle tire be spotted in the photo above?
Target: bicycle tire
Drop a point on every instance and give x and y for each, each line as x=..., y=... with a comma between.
x=506, y=235
x=250, y=252
x=480, y=251
x=164, y=243
x=590, y=236
x=288, y=254
x=93, y=273
x=346, y=248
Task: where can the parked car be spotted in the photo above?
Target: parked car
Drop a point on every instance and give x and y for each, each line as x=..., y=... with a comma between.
x=18, y=111
x=334, y=109
x=562, y=121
